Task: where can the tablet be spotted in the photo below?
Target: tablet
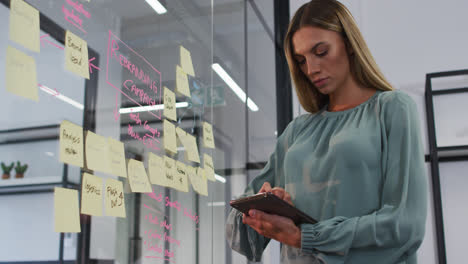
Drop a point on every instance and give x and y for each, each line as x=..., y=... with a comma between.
x=271, y=204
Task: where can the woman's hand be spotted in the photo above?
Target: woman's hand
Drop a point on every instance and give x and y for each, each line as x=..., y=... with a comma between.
x=273, y=226
x=278, y=191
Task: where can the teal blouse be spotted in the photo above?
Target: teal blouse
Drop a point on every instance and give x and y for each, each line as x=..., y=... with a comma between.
x=360, y=172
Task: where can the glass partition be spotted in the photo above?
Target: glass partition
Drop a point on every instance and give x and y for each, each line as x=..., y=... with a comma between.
x=215, y=56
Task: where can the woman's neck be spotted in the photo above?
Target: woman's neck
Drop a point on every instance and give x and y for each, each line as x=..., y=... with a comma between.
x=349, y=97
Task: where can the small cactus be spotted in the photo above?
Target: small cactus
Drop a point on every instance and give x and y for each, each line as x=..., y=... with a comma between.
x=20, y=169
x=6, y=170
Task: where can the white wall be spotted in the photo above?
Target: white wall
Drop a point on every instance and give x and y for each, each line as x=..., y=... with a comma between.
x=408, y=40
x=453, y=183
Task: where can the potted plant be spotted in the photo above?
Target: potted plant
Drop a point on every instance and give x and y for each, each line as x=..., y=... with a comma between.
x=20, y=169
x=6, y=170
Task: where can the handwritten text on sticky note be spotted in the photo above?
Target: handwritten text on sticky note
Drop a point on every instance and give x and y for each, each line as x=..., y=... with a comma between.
x=169, y=171
x=91, y=195
x=71, y=143
x=208, y=139
x=170, y=104
x=76, y=55
x=115, y=199
x=181, y=182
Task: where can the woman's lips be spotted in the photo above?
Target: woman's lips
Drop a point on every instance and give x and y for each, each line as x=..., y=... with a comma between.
x=320, y=82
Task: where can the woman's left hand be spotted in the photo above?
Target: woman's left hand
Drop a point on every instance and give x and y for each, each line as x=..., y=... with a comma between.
x=273, y=226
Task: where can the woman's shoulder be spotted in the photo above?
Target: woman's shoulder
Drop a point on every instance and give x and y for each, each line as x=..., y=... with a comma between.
x=302, y=120
x=299, y=123
x=395, y=99
x=395, y=96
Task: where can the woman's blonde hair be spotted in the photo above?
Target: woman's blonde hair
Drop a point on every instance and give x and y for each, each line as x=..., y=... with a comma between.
x=331, y=15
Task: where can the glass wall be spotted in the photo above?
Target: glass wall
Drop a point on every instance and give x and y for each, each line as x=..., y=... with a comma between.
x=218, y=59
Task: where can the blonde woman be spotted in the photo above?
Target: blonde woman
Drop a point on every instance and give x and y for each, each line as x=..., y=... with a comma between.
x=354, y=162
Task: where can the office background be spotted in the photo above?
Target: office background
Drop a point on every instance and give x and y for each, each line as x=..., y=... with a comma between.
x=408, y=40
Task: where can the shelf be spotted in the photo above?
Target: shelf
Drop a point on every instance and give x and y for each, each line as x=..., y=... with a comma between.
x=13, y=182
x=29, y=134
x=33, y=185
x=452, y=151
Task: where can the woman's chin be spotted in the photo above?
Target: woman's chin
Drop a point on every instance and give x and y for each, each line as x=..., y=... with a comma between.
x=325, y=90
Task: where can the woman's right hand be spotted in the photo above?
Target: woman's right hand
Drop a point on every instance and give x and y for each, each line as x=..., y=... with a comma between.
x=278, y=191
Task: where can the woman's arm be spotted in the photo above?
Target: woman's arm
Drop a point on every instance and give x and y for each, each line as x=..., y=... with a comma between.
x=240, y=236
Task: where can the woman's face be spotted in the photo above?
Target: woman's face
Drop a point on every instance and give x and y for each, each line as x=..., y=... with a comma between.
x=322, y=56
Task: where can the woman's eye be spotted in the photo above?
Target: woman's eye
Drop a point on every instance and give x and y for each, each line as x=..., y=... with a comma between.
x=322, y=53
x=300, y=62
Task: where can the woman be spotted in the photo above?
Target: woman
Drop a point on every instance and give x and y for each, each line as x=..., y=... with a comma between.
x=355, y=162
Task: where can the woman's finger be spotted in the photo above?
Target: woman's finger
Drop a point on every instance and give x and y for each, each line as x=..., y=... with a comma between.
x=271, y=226
x=287, y=198
x=278, y=191
x=266, y=187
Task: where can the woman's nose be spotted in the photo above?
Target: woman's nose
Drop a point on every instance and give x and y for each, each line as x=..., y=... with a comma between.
x=312, y=67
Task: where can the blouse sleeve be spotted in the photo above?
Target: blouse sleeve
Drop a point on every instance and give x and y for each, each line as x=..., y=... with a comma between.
x=396, y=229
x=242, y=238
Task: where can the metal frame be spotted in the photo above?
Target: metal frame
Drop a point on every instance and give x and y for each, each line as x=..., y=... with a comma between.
x=284, y=104
x=435, y=151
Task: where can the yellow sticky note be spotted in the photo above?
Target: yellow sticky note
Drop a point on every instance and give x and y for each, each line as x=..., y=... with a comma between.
x=181, y=138
x=137, y=177
x=20, y=74
x=169, y=171
x=156, y=170
x=116, y=153
x=76, y=55
x=208, y=139
x=198, y=180
x=190, y=144
x=170, y=143
x=91, y=195
x=96, y=152
x=186, y=61
x=71, y=143
x=115, y=199
x=24, y=25
x=66, y=210
x=192, y=148
x=209, y=167
x=170, y=104
x=182, y=84
x=181, y=135
x=181, y=182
